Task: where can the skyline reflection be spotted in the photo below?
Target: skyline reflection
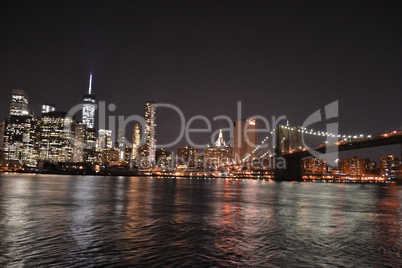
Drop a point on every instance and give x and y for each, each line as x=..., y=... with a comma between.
x=78, y=220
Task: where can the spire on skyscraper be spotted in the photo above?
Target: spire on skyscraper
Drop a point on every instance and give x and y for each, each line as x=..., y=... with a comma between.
x=90, y=84
x=220, y=142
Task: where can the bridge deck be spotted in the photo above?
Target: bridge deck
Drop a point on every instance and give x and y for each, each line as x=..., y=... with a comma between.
x=379, y=140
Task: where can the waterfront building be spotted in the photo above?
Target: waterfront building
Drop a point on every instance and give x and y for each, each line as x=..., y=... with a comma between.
x=56, y=132
x=127, y=154
x=143, y=153
x=245, y=140
x=355, y=166
x=188, y=156
x=199, y=160
x=19, y=103
x=122, y=145
x=372, y=167
x=109, y=156
x=163, y=158
x=219, y=153
x=19, y=143
x=390, y=165
x=313, y=165
x=150, y=132
x=136, y=140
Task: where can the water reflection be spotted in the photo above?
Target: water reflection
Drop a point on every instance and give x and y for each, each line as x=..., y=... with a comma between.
x=90, y=221
x=388, y=222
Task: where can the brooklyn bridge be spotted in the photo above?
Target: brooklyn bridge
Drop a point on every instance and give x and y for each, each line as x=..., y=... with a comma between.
x=289, y=142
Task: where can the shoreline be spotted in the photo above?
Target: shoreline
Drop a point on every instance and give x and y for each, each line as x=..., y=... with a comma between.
x=172, y=176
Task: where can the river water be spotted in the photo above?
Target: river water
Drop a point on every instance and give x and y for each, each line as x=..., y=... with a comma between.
x=85, y=221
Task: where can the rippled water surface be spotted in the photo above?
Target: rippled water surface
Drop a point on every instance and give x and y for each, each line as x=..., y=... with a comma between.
x=84, y=221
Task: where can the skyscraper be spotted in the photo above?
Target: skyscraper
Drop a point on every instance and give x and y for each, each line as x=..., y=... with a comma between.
x=312, y=165
x=219, y=153
x=56, y=131
x=19, y=103
x=188, y=156
x=88, y=109
x=245, y=140
x=390, y=165
x=2, y=125
x=80, y=132
x=19, y=132
x=122, y=145
x=104, y=140
x=47, y=108
x=163, y=158
x=20, y=140
x=136, y=141
x=150, y=130
x=89, y=146
x=354, y=166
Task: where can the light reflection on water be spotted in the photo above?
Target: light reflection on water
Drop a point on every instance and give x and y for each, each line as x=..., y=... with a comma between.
x=81, y=221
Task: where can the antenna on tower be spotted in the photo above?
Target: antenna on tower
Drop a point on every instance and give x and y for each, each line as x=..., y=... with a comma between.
x=90, y=84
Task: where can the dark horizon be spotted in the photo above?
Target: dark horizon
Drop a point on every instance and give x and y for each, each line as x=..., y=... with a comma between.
x=276, y=57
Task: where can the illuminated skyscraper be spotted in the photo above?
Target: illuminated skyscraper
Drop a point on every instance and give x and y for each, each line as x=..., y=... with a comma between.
x=136, y=141
x=2, y=125
x=219, y=153
x=245, y=140
x=89, y=146
x=47, y=108
x=150, y=131
x=19, y=143
x=80, y=132
x=88, y=109
x=19, y=103
x=56, y=133
x=122, y=145
x=20, y=140
x=104, y=140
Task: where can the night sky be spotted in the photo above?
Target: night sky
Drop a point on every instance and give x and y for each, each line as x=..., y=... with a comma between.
x=277, y=57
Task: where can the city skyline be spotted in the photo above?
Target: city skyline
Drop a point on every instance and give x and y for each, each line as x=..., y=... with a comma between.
x=57, y=137
x=199, y=133
x=119, y=133
x=277, y=58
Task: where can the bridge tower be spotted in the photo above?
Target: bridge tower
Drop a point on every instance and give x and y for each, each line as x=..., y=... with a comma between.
x=288, y=138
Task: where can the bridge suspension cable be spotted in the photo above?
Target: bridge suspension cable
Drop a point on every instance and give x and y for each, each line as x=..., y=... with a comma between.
x=311, y=132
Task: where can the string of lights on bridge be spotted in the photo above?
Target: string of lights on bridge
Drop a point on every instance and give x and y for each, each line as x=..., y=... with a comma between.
x=311, y=132
x=326, y=134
